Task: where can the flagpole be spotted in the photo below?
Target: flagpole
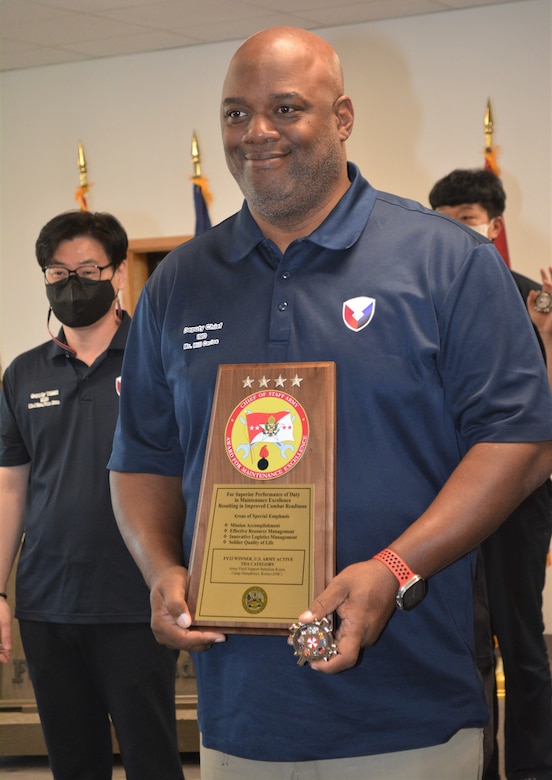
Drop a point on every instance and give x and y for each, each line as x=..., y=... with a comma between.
x=488, y=129
x=488, y=126
x=196, y=162
x=491, y=164
x=202, y=196
x=80, y=194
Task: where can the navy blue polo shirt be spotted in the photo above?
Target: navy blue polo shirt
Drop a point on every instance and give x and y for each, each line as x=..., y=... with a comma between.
x=434, y=353
x=59, y=415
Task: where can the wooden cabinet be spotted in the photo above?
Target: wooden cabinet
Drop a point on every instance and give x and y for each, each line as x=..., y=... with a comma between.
x=143, y=256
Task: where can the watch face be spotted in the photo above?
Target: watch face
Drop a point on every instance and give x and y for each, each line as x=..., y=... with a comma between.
x=411, y=594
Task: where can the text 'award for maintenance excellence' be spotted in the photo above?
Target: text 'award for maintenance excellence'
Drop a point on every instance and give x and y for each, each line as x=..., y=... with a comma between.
x=264, y=537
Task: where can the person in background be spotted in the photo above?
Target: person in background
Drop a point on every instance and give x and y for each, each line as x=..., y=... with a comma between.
x=434, y=420
x=514, y=557
x=82, y=604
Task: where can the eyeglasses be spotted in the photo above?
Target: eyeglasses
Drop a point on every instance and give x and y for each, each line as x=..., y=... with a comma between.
x=88, y=274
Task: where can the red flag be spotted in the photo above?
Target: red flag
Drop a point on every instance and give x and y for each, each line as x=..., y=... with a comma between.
x=501, y=241
x=269, y=426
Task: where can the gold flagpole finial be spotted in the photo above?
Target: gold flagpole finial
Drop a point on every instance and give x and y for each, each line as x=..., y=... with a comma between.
x=197, y=178
x=488, y=127
x=195, y=157
x=83, y=173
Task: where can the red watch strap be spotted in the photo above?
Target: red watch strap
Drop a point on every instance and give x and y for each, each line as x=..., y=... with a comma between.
x=396, y=565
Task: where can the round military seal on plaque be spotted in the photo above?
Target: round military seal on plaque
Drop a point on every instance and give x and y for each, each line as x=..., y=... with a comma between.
x=254, y=600
x=266, y=434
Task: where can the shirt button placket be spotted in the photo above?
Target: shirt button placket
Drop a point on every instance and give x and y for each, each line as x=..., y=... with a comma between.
x=282, y=306
x=280, y=325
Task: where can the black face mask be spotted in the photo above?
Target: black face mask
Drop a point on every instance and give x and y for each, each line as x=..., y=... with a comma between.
x=78, y=304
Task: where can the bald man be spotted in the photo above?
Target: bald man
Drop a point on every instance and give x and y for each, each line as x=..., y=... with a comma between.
x=439, y=435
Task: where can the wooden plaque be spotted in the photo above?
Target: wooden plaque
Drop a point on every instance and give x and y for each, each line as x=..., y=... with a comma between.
x=264, y=539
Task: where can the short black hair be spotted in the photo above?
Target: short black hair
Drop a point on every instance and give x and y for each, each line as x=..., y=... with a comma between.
x=102, y=227
x=477, y=185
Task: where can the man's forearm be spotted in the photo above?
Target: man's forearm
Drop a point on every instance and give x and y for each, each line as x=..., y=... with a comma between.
x=488, y=484
x=150, y=513
x=13, y=490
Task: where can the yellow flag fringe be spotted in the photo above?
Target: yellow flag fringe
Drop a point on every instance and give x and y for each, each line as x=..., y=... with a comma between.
x=201, y=182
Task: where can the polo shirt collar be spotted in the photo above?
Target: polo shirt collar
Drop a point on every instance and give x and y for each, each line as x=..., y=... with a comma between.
x=118, y=341
x=340, y=230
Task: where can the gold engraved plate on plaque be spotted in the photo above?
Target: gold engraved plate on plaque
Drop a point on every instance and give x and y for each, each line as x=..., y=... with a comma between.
x=264, y=540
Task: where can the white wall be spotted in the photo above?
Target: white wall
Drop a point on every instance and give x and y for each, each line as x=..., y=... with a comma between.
x=420, y=86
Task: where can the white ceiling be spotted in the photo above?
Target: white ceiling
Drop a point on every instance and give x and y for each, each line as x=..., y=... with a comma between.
x=34, y=33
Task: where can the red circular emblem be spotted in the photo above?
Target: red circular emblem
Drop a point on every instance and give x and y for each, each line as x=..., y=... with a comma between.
x=266, y=434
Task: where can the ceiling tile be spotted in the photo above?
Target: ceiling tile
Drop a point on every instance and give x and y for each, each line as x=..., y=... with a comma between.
x=42, y=32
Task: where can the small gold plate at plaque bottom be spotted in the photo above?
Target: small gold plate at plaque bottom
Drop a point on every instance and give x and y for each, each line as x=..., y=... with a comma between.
x=258, y=564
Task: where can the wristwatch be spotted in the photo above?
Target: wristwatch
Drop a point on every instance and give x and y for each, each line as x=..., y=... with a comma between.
x=412, y=587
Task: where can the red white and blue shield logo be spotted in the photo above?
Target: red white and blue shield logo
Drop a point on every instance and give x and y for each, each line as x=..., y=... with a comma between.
x=358, y=312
